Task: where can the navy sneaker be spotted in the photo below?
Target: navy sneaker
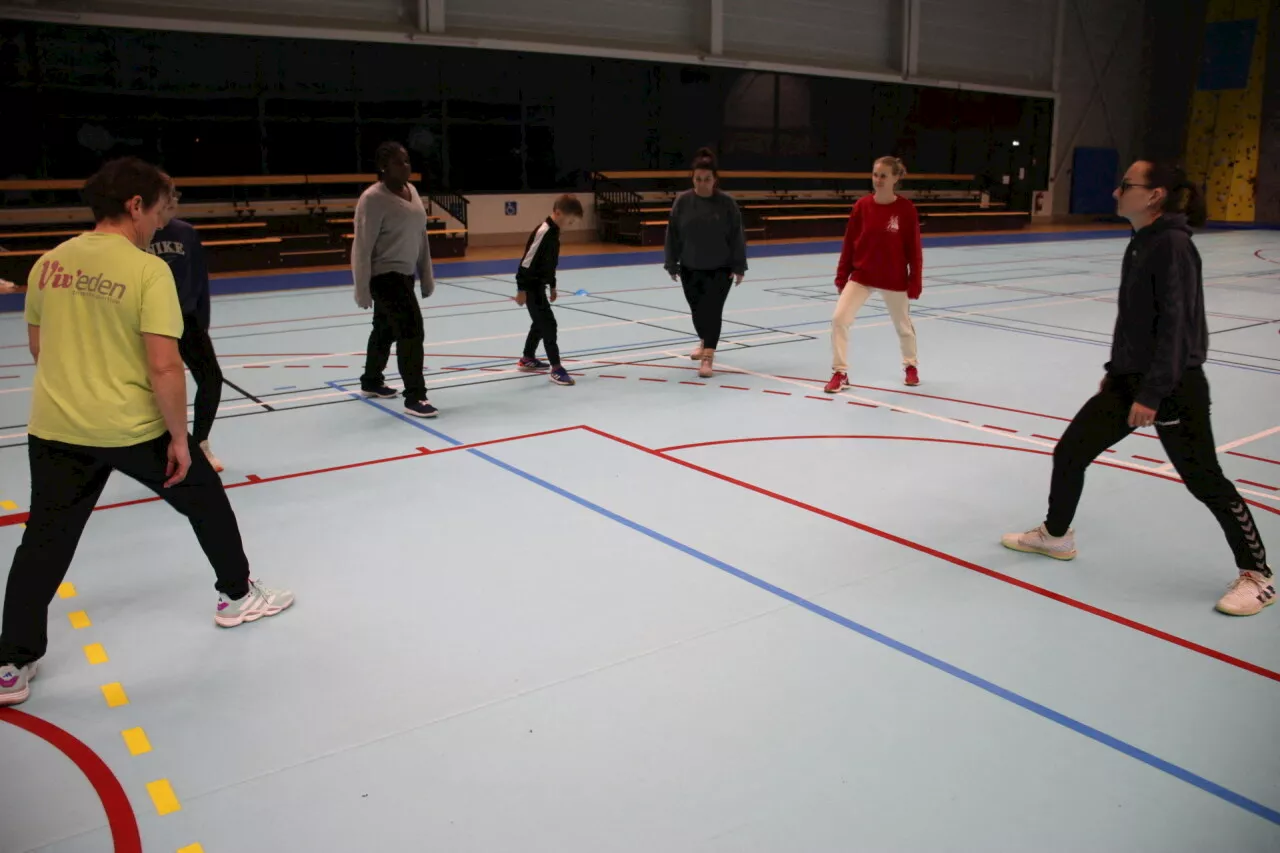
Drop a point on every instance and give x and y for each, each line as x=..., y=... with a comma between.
x=386, y=392
x=560, y=376
x=530, y=365
x=420, y=409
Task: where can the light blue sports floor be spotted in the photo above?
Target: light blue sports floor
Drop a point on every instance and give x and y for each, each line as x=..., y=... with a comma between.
x=656, y=613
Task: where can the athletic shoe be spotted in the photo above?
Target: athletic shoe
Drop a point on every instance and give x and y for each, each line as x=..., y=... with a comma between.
x=258, y=603
x=706, y=368
x=1039, y=541
x=696, y=355
x=208, y=454
x=530, y=365
x=560, y=376
x=839, y=381
x=1248, y=594
x=913, y=375
x=420, y=409
x=15, y=683
x=386, y=392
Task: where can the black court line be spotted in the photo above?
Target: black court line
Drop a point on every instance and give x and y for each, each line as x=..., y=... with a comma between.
x=724, y=319
x=246, y=394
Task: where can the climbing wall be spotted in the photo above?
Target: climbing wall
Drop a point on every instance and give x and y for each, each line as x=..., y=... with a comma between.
x=1226, y=108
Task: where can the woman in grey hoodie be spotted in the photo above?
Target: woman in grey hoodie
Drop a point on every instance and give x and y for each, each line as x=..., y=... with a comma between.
x=706, y=251
x=389, y=252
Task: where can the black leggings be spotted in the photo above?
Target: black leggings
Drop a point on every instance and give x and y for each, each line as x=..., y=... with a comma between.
x=66, y=481
x=196, y=349
x=1185, y=431
x=706, y=292
x=397, y=319
x=543, y=328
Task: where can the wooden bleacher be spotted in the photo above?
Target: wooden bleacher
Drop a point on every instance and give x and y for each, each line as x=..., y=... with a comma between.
x=245, y=223
x=632, y=206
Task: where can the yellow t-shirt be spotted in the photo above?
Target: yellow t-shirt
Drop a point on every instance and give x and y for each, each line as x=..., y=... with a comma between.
x=93, y=297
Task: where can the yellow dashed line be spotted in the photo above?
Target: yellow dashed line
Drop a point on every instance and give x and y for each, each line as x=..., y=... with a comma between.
x=66, y=590
x=136, y=740
x=9, y=505
x=79, y=620
x=162, y=795
x=95, y=653
x=194, y=848
x=115, y=695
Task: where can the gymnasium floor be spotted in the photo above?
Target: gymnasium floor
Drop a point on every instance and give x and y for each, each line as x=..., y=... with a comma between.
x=656, y=613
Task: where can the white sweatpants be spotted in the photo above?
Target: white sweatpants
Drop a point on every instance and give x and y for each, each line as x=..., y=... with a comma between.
x=851, y=300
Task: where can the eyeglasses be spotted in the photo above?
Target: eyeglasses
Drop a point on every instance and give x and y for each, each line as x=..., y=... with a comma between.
x=1125, y=186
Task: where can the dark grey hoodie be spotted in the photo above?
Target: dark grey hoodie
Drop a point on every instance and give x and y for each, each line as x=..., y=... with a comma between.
x=1160, y=329
x=705, y=234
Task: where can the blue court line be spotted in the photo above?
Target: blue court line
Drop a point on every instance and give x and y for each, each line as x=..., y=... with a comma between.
x=1123, y=747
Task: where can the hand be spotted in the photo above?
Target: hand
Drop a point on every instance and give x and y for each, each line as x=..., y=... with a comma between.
x=737, y=279
x=9, y=287
x=178, y=462
x=366, y=304
x=521, y=298
x=553, y=294
x=1141, y=416
x=675, y=277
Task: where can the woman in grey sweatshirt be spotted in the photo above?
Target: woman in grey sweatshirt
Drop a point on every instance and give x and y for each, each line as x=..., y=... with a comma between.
x=389, y=252
x=706, y=247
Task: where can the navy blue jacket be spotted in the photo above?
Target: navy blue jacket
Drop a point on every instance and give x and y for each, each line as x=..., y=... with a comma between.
x=179, y=245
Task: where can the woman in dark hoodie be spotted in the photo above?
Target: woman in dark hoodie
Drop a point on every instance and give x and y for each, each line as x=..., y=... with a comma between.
x=706, y=251
x=1156, y=377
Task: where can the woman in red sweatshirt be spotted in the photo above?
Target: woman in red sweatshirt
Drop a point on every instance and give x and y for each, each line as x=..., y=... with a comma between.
x=881, y=255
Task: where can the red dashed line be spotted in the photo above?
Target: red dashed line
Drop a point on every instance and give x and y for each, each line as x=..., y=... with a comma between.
x=1002, y=429
x=823, y=399
x=260, y=366
x=863, y=405
x=735, y=388
x=961, y=420
x=1109, y=450
x=650, y=379
x=693, y=383
x=253, y=478
x=424, y=451
x=297, y=365
x=1259, y=485
x=1045, y=437
x=779, y=393
x=898, y=411
x=1149, y=459
x=491, y=369
x=607, y=376
x=1254, y=458
x=462, y=369
x=338, y=366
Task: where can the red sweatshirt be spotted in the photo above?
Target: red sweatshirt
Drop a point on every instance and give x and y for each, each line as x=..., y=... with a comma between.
x=882, y=247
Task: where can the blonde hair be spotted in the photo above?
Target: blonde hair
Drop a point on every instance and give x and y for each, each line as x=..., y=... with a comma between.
x=899, y=170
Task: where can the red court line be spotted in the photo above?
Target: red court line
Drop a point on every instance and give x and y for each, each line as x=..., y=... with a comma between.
x=1002, y=429
x=1259, y=485
x=1254, y=458
x=608, y=376
x=651, y=379
x=686, y=382
x=1045, y=437
x=735, y=388
x=1258, y=254
x=924, y=549
x=863, y=405
x=255, y=480
x=811, y=397
x=125, y=837
x=1149, y=459
x=778, y=393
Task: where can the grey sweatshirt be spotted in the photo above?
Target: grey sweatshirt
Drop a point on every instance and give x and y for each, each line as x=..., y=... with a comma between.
x=391, y=236
x=705, y=234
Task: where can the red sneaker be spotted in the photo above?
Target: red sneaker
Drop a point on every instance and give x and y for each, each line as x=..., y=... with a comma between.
x=913, y=376
x=839, y=381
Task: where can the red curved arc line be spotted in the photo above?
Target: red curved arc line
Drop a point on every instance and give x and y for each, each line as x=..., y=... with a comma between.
x=1156, y=474
x=123, y=824
x=957, y=561
x=1258, y=254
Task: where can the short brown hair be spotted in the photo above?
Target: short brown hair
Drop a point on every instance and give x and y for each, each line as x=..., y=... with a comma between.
x=112, y=187
x=569, y=205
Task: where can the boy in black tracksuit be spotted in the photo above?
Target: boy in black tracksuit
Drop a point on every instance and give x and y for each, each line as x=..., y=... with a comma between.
x=537, y=273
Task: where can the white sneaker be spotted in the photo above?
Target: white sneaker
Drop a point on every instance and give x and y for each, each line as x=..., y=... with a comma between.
x=1248, y=594
x=258, y=603
x=1039, y=541
x=15, y=683
x=208, y=454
